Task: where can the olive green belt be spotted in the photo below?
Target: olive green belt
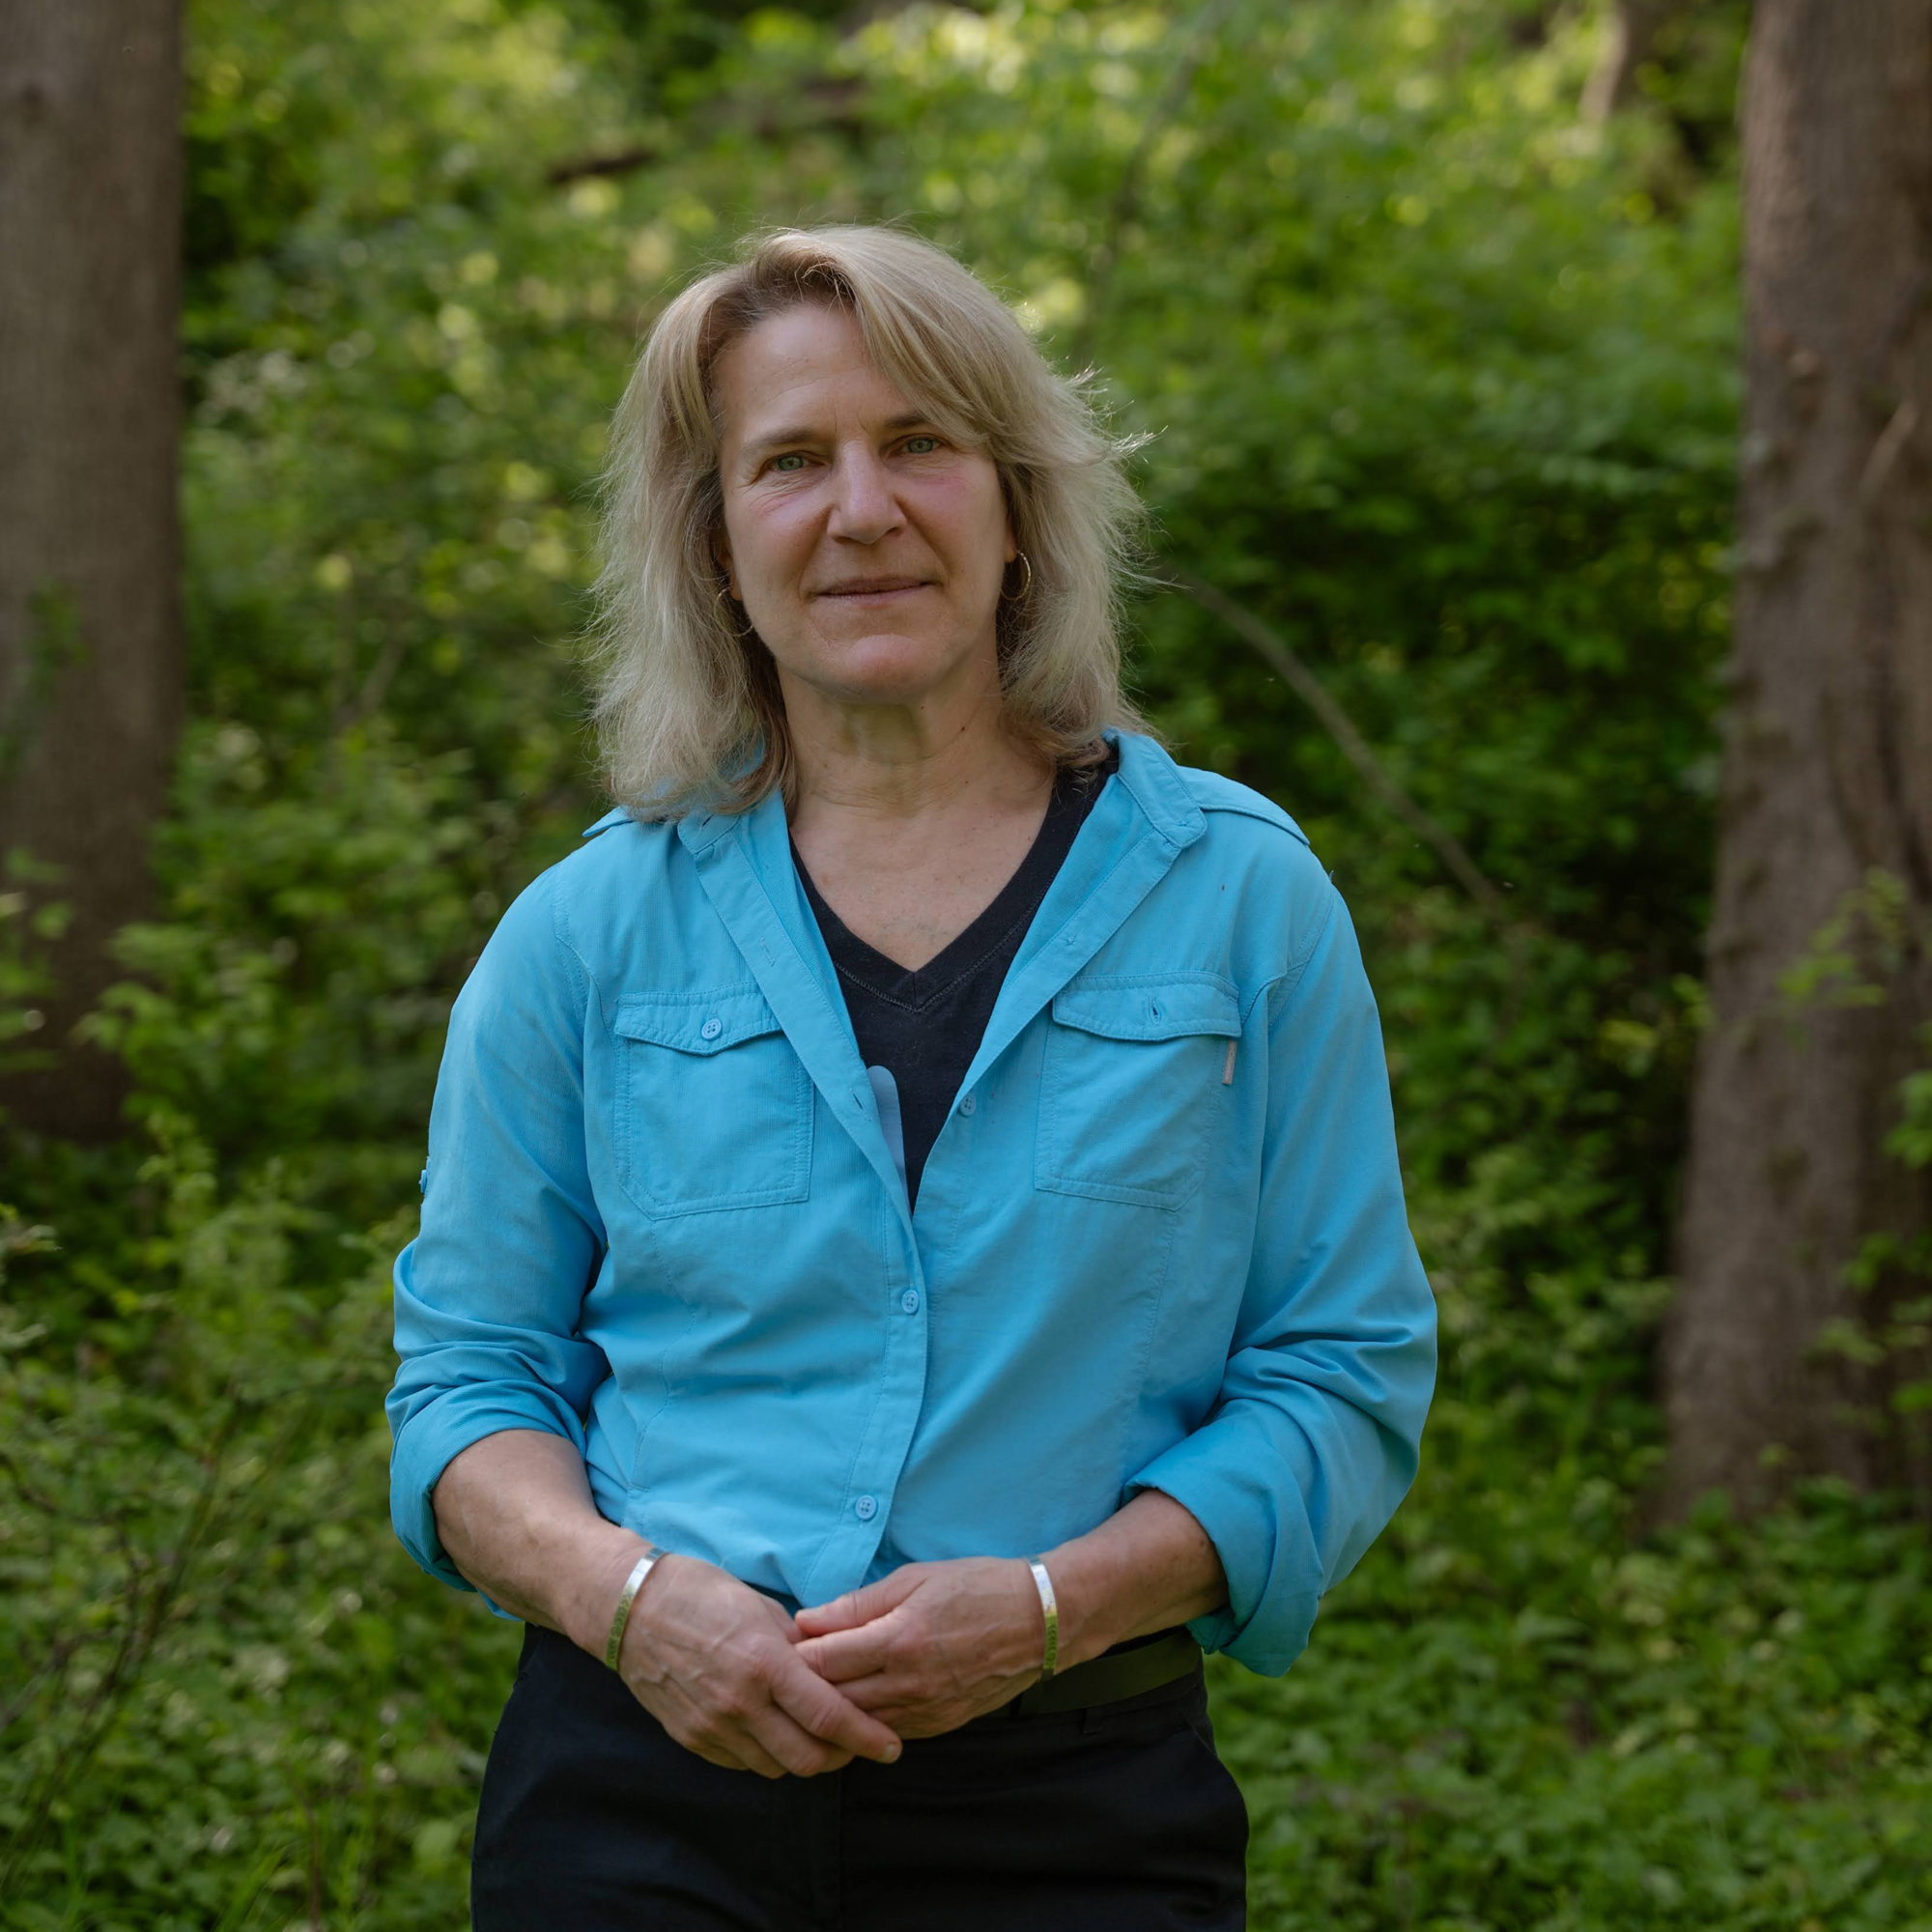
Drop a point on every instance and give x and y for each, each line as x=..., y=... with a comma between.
x=1107, y=1679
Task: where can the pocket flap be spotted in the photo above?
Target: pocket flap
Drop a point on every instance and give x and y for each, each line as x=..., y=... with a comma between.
x=1150, y=1005
x=695, y=1022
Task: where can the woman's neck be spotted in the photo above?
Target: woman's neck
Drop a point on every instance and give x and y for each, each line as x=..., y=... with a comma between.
x=876, y=765
x=910, y=818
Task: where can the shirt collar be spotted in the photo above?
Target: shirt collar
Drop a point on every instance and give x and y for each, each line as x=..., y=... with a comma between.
x=1146, y=772
x=1154, y=783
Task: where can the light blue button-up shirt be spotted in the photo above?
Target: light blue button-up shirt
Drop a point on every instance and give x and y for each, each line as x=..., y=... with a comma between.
x=1159, y=1242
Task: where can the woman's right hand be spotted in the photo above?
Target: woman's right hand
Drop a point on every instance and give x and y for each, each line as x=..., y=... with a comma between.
x=708, y=1657
x=716, y=1663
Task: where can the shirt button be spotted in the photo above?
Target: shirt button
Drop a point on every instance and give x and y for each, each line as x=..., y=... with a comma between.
x=712, y=1028
x=866, y=1508
x=967, y=1105
x=909, y=1302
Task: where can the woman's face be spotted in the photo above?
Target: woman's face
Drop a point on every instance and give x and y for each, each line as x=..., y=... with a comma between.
x=866, y=549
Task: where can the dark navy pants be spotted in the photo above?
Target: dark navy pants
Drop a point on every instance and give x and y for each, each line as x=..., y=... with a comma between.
x=1116, y=1819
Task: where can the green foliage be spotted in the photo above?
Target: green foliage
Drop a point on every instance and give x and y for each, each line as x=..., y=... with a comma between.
x=28, y=921
x=1912, y=1139
x=1854, y=955
x=1441, y=385
x=229, y=1700
x=1518, y=1721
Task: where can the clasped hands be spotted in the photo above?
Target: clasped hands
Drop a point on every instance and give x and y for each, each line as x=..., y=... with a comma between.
x=736, y=1680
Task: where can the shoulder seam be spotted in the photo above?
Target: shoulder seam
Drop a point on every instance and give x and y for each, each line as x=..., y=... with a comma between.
x=1292, y=978
x=1282, y=823
x=560, y=927
x=1209, y=792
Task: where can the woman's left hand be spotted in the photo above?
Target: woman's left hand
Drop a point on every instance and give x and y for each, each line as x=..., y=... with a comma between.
x=933, y=1644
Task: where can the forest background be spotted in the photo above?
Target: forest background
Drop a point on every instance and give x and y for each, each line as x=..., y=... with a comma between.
x=1440, y=359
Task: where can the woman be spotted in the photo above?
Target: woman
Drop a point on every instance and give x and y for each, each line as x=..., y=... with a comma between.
x=912, y=1247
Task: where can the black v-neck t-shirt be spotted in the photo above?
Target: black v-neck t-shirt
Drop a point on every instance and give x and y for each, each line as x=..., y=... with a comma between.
x=918, y=1028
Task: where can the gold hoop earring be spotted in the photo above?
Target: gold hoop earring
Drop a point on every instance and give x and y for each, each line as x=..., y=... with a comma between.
x=1025, y=591
x=718, y=598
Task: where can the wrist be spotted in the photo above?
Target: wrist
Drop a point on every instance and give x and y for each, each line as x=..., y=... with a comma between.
x=1085, y=1625
x=600, y=1580
x=1048, y=1600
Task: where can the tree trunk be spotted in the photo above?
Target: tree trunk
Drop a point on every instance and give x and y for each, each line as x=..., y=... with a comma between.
x=1825, y=859
x=90, y=624
x=1629, y=30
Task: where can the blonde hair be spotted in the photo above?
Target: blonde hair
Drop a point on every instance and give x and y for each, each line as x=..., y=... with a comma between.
x=689, y=710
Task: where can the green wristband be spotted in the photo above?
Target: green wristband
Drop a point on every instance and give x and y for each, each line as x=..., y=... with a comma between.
x=1049, y=1608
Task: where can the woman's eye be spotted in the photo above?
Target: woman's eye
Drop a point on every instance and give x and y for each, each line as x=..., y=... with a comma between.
x=921, y=445
x=792, y=462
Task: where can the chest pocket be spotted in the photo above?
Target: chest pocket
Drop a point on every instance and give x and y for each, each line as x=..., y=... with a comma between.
x=1133, y=1085
x=714, y=1108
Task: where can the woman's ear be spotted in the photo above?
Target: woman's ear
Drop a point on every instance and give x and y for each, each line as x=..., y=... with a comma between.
x=721, y=555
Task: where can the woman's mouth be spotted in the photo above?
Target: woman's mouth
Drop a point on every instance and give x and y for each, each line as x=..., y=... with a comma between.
x=872, y=589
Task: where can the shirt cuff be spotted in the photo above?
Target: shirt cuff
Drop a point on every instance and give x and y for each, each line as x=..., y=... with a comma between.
x=1255, y=1527
x=431, y=1439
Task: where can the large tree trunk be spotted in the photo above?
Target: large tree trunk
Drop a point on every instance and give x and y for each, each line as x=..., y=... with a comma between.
x=90, y=626
x=1826, y=845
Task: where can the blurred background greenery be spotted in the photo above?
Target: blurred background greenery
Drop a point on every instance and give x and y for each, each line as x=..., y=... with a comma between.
x=1441, y=372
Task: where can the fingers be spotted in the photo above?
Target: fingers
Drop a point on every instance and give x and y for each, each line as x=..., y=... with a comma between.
x=719, y=1739
x=745, y=1752
x=884, y=1696
x=720, y=1666
x=724, y=1760
x=747, y=1731
x=794, y=1749
x=832, y=1718
x=846, y=1654
x=861, y=1606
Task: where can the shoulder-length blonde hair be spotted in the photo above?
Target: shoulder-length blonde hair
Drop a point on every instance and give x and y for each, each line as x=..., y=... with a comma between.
x=690, y=711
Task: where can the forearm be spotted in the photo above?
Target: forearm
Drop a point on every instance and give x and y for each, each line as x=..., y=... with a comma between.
x=515, y=1513
x=1148, y=1567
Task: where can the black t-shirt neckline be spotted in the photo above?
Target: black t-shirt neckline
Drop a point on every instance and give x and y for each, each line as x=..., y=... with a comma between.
x=1012, y=905
x=920, y=1025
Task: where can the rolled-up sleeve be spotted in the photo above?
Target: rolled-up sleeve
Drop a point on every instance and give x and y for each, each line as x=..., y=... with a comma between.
x=1314, y=1437
x=489, y=1294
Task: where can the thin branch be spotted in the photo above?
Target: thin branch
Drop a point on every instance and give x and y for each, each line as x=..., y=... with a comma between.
x=1207, y=24
x=831, y=102
x=1292, y=672
x=376, y=686
x=588, y=167
x=55, y=1658
x=1885, y=452
x=1630, y=32
x=34, y=1499
x=145, y=1616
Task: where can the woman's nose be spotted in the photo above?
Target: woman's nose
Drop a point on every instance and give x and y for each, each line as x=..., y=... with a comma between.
x=863, y=508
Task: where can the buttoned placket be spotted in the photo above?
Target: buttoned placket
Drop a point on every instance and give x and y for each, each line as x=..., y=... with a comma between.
x=744, y=864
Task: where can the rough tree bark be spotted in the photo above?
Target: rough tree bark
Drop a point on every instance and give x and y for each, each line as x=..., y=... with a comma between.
x=89, y=628
x=1826, y=800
